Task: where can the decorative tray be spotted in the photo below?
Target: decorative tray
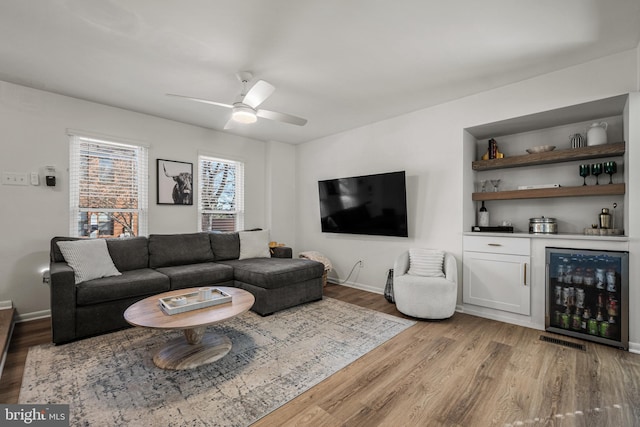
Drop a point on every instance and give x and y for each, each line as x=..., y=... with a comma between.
x=541, y=149
x=175, y=305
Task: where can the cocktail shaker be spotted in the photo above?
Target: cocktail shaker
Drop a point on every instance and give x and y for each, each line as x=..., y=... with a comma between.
x=605, y=218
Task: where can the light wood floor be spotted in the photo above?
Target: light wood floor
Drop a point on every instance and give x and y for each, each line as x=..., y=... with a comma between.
x=465, y=371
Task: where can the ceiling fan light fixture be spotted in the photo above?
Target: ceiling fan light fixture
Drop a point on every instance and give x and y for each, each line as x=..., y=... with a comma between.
x=242, y=114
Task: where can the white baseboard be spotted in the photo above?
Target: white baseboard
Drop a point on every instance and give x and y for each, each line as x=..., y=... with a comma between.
x=634, y=347
x=6, y=304
x=360, y=286
x=33, y=316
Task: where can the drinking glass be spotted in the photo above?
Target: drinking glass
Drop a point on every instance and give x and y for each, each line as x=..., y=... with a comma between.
x=483, y=185
x=610, y=168
x=584, y=173
x=495, y=183
x=596, y=169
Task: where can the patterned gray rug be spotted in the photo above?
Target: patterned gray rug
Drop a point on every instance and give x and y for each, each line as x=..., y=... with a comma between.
x=111, y=380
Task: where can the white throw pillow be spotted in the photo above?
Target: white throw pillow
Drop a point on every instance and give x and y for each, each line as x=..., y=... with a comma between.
x=89, y=259
x=426, y=262
x=254, y=244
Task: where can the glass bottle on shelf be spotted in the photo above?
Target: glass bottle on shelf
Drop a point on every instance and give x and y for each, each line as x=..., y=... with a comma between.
x=483, y=216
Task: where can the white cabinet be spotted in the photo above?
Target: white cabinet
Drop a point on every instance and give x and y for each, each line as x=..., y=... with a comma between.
x=497, y=273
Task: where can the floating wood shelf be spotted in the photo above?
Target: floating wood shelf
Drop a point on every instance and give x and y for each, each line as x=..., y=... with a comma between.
x=542, y=193
x=548, y=157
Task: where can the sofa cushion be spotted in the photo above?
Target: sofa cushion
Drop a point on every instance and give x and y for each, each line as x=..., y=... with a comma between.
x=166, y=250
x=192, y=275
x=271, y=273
x=55, y=255
x=426, y=262
x=225, y=246
x=130, y=284
x=130, y=253
x=254, y=244
x=89, y=259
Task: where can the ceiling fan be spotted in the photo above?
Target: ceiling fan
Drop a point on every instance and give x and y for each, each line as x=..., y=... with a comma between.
x=245, y=108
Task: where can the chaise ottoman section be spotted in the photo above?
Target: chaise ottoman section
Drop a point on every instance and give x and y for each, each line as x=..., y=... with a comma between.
x=271, y=273
x=278, y=283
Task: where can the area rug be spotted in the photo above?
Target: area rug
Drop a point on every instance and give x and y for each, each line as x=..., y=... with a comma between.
x=111, y=379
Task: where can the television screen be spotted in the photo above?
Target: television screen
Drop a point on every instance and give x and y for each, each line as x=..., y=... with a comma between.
x=370, y=204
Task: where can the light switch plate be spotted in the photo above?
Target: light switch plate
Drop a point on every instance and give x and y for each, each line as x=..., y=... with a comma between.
x=15, y=178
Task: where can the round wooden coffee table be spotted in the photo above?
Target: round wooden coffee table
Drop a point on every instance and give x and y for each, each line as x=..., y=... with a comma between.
x=196, y=348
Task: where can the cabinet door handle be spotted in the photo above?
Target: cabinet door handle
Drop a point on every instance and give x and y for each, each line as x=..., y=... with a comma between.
x=494, y=244
x=525, y=274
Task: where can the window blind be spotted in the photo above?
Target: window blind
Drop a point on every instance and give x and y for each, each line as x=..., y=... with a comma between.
x=221, y=194
x=108, y=191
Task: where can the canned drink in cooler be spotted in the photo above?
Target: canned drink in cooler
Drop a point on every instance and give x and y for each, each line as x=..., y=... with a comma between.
x=580, y=298
x=558, y=295
x=593, y=327
x=604, y=329
x=611, y=281
x=600, y=278
x=565, y=321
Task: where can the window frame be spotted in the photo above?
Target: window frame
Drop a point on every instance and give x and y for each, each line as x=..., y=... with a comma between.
x=78, y=139
x=239, y=179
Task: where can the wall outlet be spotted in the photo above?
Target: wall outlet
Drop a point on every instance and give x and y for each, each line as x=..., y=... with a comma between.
x=15, y=178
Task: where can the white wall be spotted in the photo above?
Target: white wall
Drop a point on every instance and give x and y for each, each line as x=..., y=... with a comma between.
x=280, y=192
x=34, y=125
x=428, y=144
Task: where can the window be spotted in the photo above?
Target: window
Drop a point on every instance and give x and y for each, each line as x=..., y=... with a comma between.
x=221, y=194
x=107, y=188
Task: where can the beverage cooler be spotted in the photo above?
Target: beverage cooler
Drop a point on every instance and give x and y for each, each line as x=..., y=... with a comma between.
x=587, y=294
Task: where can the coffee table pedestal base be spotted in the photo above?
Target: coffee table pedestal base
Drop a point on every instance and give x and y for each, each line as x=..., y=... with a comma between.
x=195, y=349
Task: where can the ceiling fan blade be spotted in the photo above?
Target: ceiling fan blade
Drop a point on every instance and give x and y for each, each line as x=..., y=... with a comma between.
x=281, y=117
x=205, y=101
x=231, y=124
x=258, y=93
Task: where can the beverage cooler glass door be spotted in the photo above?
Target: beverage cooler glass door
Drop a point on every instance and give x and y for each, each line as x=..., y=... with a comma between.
x=587, y=293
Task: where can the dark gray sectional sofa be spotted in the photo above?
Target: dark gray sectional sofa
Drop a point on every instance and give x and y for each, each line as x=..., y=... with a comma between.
x=161, y=263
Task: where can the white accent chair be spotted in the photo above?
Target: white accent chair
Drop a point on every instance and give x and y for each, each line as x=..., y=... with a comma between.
x=426, y=297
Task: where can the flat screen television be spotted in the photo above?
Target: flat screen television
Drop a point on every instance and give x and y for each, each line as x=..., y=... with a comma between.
x=369, y=204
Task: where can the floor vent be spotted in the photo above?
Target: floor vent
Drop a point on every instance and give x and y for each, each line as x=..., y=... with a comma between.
x=563, y=343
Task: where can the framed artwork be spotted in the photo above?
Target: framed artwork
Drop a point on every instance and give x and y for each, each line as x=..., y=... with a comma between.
x=175, y=182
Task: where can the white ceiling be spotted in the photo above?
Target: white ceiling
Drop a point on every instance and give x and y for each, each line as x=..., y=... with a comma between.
x=339, y=63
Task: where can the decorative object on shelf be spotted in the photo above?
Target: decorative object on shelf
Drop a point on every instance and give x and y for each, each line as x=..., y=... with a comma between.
x=495, y=183
x=604, y=219
x=610, y=168
x=483, y=185
x=596, y=169
x=538, y=186
x=543, y=225
x=577, y=141
x=493, y=229
x=483, y=216
x=541, y=149
x=585, y=171
x=493, y=149
x=597, y=133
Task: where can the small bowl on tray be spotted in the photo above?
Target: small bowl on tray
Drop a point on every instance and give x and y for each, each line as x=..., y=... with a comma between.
x=541, y=149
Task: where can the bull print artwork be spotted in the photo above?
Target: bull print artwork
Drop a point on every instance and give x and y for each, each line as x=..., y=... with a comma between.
x=175, y=182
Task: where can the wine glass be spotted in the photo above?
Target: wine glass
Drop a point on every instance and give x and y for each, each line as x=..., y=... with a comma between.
x=483, y=185
x=495, y=183
x=610, y=168
x=596, y=169
x=584, y=173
